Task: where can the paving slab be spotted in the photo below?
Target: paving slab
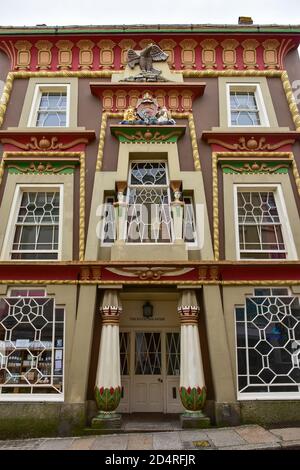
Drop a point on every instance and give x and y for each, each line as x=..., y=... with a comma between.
x=82, y=443
x=167, y=441
x=194, y=435
x=270, y=445
x=140, y=442
x=256, y=435
x=225, y=437
x=287, y=434
x=111, y=442
x=290, y=444
x=25, y=444
x=56, y=444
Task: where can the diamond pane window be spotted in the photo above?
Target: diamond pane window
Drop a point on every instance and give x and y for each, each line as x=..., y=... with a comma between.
x=149, y=218
x=268, y=343
x=243, y=109
x=31, y=345
x=259, y=226
x=124, y=352
x=173, y=353
x=147, y=354
x=52, y=110
x=36, y=233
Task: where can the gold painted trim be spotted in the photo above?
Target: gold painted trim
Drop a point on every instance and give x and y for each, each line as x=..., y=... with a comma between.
x=234, y=156
x=186, y=73
x=7, y=156
x=192, y=130
x=160, y=282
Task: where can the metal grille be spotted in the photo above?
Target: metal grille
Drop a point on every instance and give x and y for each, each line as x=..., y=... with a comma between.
x=244, y=109
x=31, y=345
x=260, y=233
x=149, y=217
x=173, y=353
x=268, y=342
x=52, y=110
x=37, y=226
x=147, y=354
x=124, y=352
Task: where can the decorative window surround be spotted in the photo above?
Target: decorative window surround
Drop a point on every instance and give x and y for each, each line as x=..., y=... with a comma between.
x=10, y=234
x=258, y=107
x=36, y=86
x=42, y=93
x=256, y=85
x=285, y=229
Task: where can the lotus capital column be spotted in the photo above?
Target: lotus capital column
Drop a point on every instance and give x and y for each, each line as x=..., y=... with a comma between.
x=192, y=386
x=108, y=379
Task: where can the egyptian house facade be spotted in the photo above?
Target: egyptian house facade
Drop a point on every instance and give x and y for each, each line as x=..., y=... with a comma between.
x=149, y=231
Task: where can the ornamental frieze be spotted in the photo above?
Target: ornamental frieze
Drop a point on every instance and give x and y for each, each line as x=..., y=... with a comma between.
x=104, y=53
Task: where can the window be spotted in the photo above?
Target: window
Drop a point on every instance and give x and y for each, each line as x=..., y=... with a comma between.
x=245, y=106
x=50, y=106
x=148, y=197
x=31, y=346
x=268, y=345
x=262, y=229
x=189, y=222
x=108, y=235
x=35, y=224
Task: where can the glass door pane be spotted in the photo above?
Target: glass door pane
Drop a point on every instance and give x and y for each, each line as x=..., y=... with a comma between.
x=173, y=353
x=148, y=353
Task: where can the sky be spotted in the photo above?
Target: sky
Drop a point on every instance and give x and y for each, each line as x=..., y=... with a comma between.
x=100, y=12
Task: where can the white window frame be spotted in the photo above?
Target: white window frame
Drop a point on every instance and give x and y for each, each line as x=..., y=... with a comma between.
x=10, y=231
x=45, y=88
x=167, y=185
x=40, y=397
x=283, y=216
x=257, y=395
x=248, y=87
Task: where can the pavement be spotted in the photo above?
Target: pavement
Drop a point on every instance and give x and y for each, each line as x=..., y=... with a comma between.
x=247, y=437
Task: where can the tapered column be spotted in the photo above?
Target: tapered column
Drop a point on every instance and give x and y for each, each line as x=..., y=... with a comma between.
x=108, y=380
x=192, y=385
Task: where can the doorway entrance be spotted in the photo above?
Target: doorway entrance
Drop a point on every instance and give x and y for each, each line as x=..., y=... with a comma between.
x=150, y=368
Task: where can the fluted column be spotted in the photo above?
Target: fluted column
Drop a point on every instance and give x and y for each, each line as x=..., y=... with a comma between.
x=192, y=386
x=108, y=379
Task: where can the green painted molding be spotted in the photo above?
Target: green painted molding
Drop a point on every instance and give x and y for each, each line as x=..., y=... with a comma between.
x=132, y=29
x=255, y=167
x=41, y=168
x=151, y=134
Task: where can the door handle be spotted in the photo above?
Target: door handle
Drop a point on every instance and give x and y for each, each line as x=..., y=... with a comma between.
x=160, y=380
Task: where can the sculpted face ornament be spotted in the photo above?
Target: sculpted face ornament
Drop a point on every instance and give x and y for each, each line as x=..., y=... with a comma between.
x=145, y=59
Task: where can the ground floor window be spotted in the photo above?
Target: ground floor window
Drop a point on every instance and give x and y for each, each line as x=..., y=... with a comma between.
x=268, y=344
x=31, y=345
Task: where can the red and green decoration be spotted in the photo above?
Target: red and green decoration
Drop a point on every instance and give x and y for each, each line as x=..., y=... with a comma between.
x=107, y=399
x=193, y=399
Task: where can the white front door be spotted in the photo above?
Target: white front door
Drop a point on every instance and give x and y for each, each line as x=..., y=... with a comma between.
x=148, y=381
x=150, y=367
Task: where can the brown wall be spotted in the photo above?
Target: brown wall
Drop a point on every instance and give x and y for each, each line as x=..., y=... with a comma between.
x=4, y=65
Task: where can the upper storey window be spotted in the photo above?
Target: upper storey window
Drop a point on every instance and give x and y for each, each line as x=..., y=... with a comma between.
x=245, y=106
x=50, y=106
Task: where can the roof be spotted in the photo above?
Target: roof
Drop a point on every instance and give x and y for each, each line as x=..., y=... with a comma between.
x=157, y=28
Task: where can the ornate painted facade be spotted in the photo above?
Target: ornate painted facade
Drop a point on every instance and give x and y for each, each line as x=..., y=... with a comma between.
x=149, y=225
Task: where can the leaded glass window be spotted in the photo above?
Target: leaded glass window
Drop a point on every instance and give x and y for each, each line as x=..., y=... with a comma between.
x=259, y=226
x=148, y=354
x=52, y=109
x=244, y=109
x=125, y=352
x=36, y=234
x=173, y=353
x=31, y=344
x=149, y=217
x=268, y=343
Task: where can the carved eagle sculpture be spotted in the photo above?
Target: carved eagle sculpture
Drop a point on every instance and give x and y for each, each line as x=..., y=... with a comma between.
x=151, y=53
